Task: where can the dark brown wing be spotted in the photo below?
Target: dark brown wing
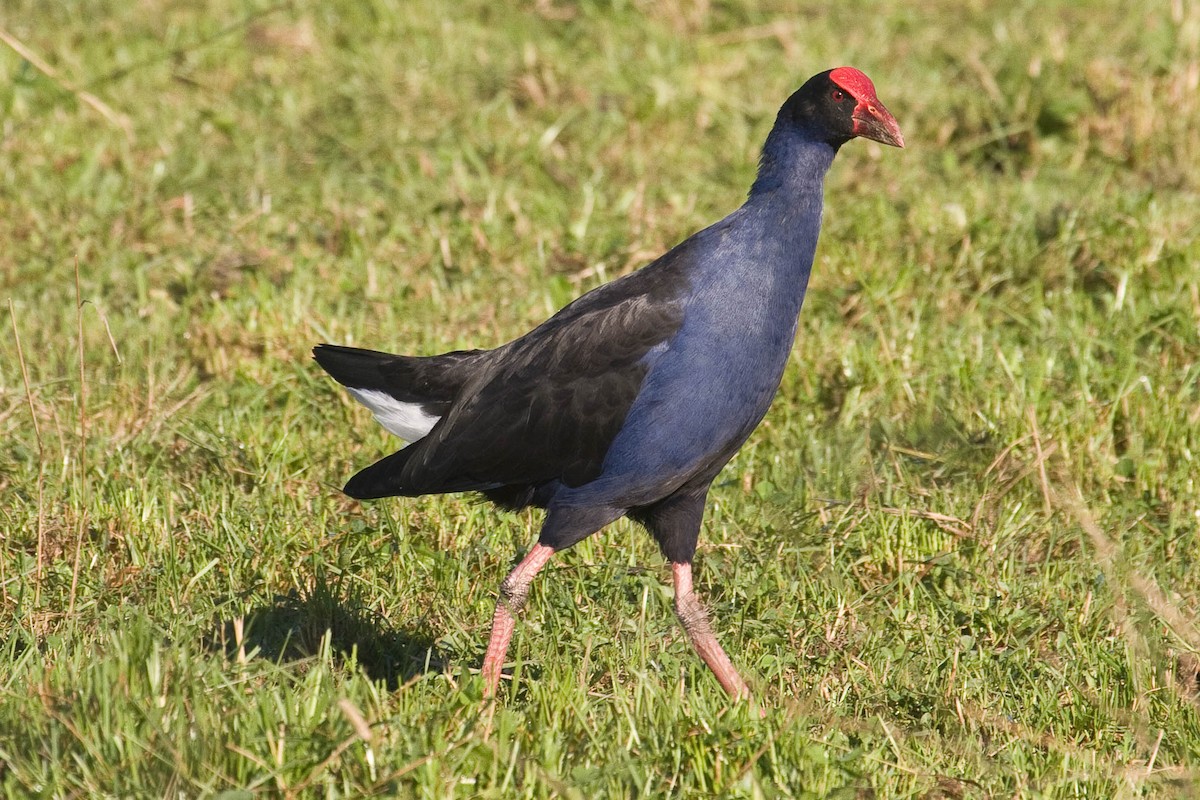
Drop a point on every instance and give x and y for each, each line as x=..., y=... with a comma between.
x=546, y=406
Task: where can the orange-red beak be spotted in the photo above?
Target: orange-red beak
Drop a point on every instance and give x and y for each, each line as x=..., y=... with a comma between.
x=873, y=121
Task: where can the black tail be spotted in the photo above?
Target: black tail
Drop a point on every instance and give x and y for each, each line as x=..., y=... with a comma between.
x=387, y=478
x=433, y=381
x=353, y=366
x=381, y=479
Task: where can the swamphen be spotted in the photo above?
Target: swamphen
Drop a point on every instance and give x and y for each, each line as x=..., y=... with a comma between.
x=631, y=399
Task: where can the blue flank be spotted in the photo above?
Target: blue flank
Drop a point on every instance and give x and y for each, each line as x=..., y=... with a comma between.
x=712, y=383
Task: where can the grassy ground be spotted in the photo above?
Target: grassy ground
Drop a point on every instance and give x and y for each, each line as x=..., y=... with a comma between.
x=959, y=559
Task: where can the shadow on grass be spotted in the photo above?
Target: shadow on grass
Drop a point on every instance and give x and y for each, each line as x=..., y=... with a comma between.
x=293, y=627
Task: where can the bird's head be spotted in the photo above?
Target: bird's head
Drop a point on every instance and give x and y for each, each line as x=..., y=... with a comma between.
x=838, y=105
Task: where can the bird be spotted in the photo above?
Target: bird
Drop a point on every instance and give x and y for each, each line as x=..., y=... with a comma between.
x=629, y=400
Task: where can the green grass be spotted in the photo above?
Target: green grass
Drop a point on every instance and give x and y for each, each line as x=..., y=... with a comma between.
x=959, y=559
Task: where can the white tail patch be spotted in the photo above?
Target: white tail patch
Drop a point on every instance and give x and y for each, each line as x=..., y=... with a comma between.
x=407, y=420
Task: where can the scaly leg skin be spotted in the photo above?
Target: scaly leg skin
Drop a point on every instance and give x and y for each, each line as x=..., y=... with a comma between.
x=514, y=591
x=691, y=613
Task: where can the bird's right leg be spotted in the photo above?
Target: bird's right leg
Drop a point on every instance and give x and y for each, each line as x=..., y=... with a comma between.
x=514, y=591
x=691, y=613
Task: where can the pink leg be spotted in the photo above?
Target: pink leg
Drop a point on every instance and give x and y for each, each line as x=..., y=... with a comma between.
x=514, y=591
x=691, y=613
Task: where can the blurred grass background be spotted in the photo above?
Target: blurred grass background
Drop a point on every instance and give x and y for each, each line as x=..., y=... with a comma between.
x=959, y=559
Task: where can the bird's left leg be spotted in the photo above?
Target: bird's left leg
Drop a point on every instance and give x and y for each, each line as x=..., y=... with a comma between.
x=691, y=613
x=514, y=591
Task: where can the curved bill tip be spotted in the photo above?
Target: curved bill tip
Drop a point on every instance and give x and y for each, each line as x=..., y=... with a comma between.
x=873, y=121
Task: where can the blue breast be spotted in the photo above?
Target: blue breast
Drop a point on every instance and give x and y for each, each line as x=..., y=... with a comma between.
x=710, y=385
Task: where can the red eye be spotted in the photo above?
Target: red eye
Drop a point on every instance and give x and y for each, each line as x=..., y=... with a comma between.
x=839, y=95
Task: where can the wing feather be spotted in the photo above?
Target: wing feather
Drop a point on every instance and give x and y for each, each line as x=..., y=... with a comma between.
x=547, y=406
